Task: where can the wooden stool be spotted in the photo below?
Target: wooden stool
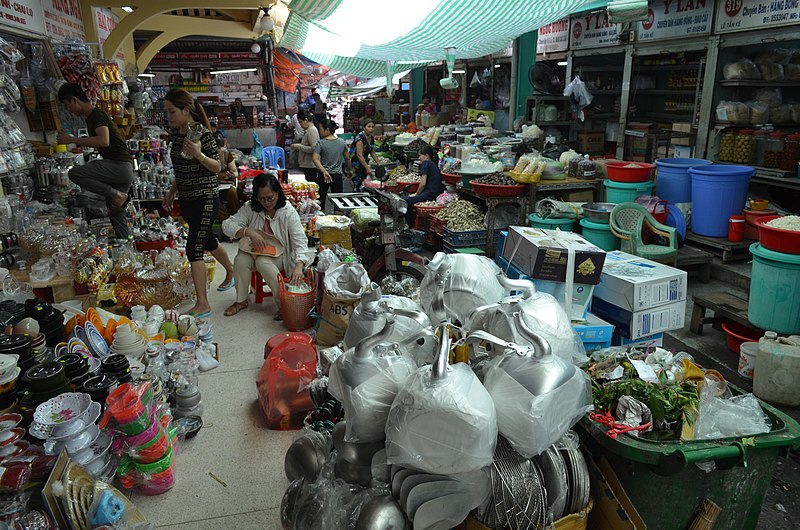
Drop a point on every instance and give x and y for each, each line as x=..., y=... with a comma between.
x=725, y=307
x=257, y=285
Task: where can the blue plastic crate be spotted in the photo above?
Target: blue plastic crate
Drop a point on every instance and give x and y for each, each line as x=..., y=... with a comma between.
x=470, y=238
x=594, y=330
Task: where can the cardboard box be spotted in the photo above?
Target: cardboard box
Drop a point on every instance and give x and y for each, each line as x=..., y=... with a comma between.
x=635, y=283
x=613, y=509
x=581, y=296
x=651, y=341
x=591, y=142
x=542, y=254
x=636, y=325
x=594, y=329
x=682, y=128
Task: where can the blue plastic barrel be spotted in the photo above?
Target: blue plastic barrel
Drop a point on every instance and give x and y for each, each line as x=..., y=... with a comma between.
x=718, y=191
x=673, y=183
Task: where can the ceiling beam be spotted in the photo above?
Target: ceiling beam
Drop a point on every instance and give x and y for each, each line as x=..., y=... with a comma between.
x=171, y=29
x=233, y=15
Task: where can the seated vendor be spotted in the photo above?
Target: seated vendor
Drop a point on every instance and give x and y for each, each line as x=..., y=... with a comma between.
x=430, y=185
x=270, y=213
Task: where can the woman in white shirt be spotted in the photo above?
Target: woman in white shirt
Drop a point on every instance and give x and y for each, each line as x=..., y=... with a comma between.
x=267, y=212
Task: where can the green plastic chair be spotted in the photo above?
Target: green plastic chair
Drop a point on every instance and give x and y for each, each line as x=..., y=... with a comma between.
x=628, y=222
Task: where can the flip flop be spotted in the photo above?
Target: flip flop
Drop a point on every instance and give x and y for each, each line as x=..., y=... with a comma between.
x=207, y=314
x=223, y=287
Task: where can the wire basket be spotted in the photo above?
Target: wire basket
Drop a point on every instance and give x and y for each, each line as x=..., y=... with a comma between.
x=297, y=307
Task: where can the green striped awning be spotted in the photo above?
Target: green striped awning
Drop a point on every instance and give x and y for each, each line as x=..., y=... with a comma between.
x=413, y=31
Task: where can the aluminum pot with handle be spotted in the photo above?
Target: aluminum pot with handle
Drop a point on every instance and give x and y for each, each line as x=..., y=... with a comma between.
x=541, y=313
x=366, y=380
x=443, y=421
x=538, y=396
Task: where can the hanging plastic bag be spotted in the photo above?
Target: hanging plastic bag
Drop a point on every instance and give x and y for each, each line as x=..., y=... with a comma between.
x=578, y=91
x=257, y=147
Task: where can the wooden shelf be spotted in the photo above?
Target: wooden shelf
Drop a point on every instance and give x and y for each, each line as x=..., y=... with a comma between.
x=669, y=116
x=672, y=67
x=556, y=123
x=605, y=92
x=759, y=83
x=667, y=92
x=592, y=68
x=602, y=115
x=546, y=97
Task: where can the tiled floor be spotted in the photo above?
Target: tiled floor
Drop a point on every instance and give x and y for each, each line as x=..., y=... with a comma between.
x=234, y=445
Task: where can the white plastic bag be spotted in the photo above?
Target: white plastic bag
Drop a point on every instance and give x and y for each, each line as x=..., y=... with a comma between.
x=533, y=423
x=723, y=416
x=347, y=280
x=578, y=91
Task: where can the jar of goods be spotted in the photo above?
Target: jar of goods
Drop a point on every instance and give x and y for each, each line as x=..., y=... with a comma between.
x=773, y=152
x=727, y=144
x=759, y=145
x=791, y=153
x=586, y=169
x=743, y=147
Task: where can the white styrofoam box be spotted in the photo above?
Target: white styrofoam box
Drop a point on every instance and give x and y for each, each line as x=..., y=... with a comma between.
x=635, y=283
x=581, y=296
x=635, y=325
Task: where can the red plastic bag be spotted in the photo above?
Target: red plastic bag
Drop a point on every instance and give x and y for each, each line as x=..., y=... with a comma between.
x=283, y=380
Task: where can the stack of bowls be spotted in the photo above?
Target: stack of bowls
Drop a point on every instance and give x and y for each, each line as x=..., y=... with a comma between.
x=9, y=375
x=11, y=444
x=13, y=308
x=76, y=368
x=100, y=386
x=19, y=345
x=51, y=321
x=45, y=381
x=205, y=332
x=159, y=393
x=117, y=365
x=149, y=461
x=39, y=347
x=128, y=342
x=187, y=402
x=68, y=422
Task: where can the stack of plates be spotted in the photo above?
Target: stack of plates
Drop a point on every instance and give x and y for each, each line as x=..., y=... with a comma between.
x=11, y=443
x=128, y=342
x=205, y=331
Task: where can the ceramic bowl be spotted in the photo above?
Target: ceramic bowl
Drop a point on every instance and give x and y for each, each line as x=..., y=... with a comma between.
x=9, y=421
x=9, y=436
x=27, y=326
x=97, y=466
x=8, y=365
x=97, y=448
x=63, y=409
x=76, y=443
x=10, y=383
x=45, y=377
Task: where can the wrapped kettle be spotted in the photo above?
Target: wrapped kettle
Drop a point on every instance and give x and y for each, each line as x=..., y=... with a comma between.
x=443, y=421
x=366, y=380
x=537, y=395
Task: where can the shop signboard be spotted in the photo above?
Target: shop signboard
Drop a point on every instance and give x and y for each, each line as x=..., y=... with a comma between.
x=553, y=37
x=25, y=15
x=63, y=19
x=104, y=23
x=593, y=30
x=742, y=15
x=671, y=19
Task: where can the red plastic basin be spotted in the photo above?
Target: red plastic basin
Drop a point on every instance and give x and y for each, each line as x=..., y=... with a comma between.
x=736, y=334
x=637, y=172
x=777, y=239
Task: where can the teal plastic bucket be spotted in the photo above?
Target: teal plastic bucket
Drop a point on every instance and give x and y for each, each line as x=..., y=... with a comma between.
x=673, y=183
x=718, y=191
x=599, y=234
x=619, y=192
x=774, y=284
x=566, y=225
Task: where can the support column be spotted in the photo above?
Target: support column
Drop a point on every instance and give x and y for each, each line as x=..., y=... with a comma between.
x=524, y=60
x=417, y=88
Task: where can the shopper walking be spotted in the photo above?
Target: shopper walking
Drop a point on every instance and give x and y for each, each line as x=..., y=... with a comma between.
x=362, y=147
x=267, y=213
x=196, y=165
x=110, y=177
x=329, y=155
x=430, y=185
x=306, y=146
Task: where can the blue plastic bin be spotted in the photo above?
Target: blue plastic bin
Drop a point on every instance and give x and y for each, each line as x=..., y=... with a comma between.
x=719, y=191
x=673, y=183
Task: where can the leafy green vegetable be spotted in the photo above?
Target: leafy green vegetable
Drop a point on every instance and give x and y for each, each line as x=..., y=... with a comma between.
x=667, y=403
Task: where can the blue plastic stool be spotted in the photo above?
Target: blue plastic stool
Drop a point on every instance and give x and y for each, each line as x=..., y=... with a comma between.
x=273, y=157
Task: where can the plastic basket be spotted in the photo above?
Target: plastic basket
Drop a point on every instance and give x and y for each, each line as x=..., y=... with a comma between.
x=438, y=225
x=451, y=179
x=495, y=190
x=428, y=211
x=469, y=238
x=296, y=307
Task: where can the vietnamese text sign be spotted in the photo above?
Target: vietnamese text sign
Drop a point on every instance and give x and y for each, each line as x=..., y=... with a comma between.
x=22, y=14
x=63, y=19
x=669, y=19
x=553, y=37
x=593, y=30
x=104, y=23
x=740, y=15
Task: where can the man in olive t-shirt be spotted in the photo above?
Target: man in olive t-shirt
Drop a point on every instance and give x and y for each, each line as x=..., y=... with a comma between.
x=110, y=177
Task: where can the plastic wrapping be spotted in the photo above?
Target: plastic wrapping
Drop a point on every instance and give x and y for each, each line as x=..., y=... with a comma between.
x=282, y=383
x=307, y=455
x=577, y=89
x=771, y=96
x=759, y=112
x=734, y=112
x=791, y=72
x=326, y=260
x=771, y=71
x=724, y=416
x=744, y=69
x=774, y=55
x=323, y=505
x=442, y=426
x=472, y=282
x=367, y=404
x=364, y=218
x=532, y=423
x=346, y=280
x=414, y=335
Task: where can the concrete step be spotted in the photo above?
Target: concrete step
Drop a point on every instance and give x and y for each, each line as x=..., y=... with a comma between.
x=735, y=274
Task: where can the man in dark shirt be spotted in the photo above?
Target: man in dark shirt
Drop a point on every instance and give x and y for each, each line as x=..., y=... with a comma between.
x=110, y=177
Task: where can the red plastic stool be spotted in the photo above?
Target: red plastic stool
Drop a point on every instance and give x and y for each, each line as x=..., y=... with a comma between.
x=257, y=285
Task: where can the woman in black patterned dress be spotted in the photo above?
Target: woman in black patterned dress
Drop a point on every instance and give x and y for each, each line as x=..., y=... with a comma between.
x=196, y=165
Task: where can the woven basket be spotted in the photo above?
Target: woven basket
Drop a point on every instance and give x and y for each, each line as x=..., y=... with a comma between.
x=494, y=190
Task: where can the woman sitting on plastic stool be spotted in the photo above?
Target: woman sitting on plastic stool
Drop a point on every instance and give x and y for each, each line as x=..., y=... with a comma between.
x=269, y=212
